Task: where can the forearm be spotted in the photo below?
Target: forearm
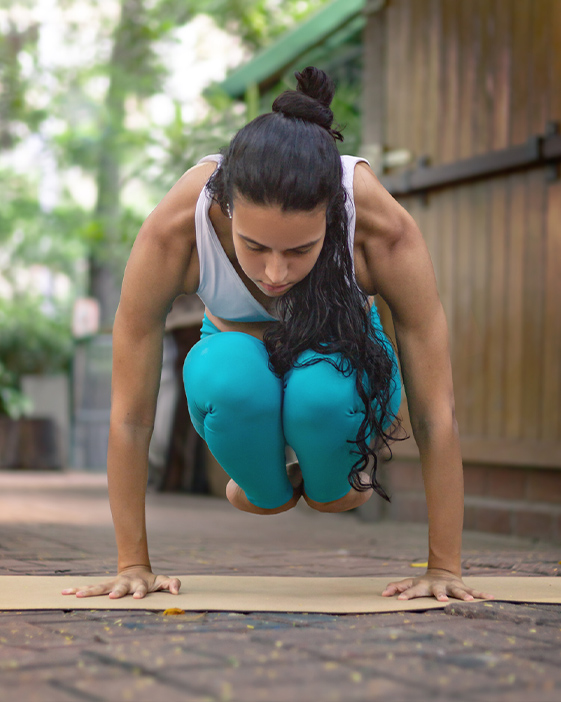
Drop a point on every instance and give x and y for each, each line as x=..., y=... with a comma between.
x=443, y=478
x=127, y=475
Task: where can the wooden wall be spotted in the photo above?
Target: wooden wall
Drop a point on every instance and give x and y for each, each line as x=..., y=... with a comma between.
x=462, y=78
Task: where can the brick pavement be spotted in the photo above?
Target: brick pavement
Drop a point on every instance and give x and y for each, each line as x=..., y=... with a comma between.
x=54, y=524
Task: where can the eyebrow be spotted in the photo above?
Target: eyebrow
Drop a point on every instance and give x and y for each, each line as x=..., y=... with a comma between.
x=295, y=248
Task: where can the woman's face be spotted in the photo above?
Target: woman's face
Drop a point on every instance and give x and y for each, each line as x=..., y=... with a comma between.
x=276, y=249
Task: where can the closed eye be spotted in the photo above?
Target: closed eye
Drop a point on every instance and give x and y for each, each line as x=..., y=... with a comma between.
x=298, y=252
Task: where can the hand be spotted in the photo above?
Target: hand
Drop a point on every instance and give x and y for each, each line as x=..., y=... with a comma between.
x=137, y=580
x=437, y=582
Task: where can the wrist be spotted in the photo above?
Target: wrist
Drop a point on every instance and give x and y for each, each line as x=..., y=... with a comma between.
x=439, y=570
x=133, y=566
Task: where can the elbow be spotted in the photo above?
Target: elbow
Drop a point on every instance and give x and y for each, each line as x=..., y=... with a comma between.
x=435, y=422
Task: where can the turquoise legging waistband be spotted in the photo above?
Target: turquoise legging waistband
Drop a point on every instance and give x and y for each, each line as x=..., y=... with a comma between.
x=247, y=416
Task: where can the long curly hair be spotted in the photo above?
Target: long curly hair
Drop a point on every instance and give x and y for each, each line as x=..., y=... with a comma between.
x=288, y=158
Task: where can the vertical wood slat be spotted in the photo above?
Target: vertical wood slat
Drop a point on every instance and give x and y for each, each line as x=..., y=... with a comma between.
x=417, y=77
x=479, y=52
x=551, y=388
x=502, y=18
x=551, y=384
x=519, y=73
x=433, y=114
x=533, y=306
x=463, y=314
x=478, y=371
x=493, y=68
x=449, y=90
x=402, y=22
x=467, y=80
x=499, y=223
x=514, y=306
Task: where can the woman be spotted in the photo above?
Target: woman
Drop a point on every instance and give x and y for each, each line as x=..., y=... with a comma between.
x=292, y=350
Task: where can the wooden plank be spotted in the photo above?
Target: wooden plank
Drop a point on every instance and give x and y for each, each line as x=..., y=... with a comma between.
x=533, y=306
x=449, y=94
x=479, y=365
x=520, y=72
x=499, y=223
x=539, y=59
x=418, y=77
x=521, y=452
x=433, y=115
x=463, y=312
x=403, y=32
x=551, y=393
x=467, y=79
x=551, y=381
x=481, y=104
x=502, y=17
x=514, y=307
x=447, y=249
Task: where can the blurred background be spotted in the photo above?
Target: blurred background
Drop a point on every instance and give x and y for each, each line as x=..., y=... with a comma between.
x=456, y=104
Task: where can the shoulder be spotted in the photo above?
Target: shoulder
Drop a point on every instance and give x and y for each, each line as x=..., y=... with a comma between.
x=378, y=214
x=166, y=243
x=174, y=216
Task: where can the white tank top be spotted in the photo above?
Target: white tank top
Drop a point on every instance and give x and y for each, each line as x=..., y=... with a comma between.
x=220, y=287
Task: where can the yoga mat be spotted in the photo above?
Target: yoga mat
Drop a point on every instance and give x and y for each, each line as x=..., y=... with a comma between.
x=233, y=593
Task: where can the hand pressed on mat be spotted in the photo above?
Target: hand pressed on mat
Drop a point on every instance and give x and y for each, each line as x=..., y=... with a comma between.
x=135, y=580
x=437, y=583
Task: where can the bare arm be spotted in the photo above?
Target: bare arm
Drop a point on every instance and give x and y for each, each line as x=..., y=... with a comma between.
x=398, y=266
x=159, y=269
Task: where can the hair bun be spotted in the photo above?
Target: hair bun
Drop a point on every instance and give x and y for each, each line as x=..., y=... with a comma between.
x=311, y=100
x=317, y=84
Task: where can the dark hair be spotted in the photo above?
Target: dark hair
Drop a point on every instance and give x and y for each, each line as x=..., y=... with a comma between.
x=288, y=158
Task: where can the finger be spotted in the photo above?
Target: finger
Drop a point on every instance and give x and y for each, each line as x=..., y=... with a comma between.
x=93, y=590
x=171, y=584
x=394, y=587
x=119, y=591
x=460, y=593
x=140, y=591
x=419, y=590
x=439, y=591
x=480, y=595
x=174, y=586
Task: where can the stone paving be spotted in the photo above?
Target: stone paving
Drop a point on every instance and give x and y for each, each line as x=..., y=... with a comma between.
x=61, y=524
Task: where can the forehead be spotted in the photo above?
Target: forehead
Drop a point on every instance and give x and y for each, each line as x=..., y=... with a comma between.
x=269, y=226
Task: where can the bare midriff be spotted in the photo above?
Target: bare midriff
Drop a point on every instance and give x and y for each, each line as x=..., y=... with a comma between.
x=256, y=329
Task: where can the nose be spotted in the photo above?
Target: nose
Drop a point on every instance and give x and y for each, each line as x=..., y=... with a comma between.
x=276, y=269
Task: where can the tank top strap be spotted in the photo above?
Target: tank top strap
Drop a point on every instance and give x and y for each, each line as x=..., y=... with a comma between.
x=349, y=163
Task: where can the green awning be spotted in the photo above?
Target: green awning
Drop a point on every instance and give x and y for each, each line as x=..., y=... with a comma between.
x=266, y=67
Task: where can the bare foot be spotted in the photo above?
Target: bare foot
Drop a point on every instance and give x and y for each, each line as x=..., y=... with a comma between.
x=354, y=498
x=238, y=499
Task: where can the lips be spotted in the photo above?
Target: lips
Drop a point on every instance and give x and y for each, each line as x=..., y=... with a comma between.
x=275, y=288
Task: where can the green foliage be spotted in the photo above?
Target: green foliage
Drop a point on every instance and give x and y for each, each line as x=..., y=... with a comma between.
x=33, y=339
x=14, y=104
x=257, y=22
x=30, y=236
x=13, y=402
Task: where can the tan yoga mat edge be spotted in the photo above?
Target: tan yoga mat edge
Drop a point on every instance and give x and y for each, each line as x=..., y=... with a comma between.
x=240, y=593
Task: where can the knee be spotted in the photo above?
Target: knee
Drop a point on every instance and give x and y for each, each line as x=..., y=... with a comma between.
x=319, y=397
x=229, y=366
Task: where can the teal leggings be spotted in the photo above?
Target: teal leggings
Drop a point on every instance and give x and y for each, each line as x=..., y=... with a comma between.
x=247, y=416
